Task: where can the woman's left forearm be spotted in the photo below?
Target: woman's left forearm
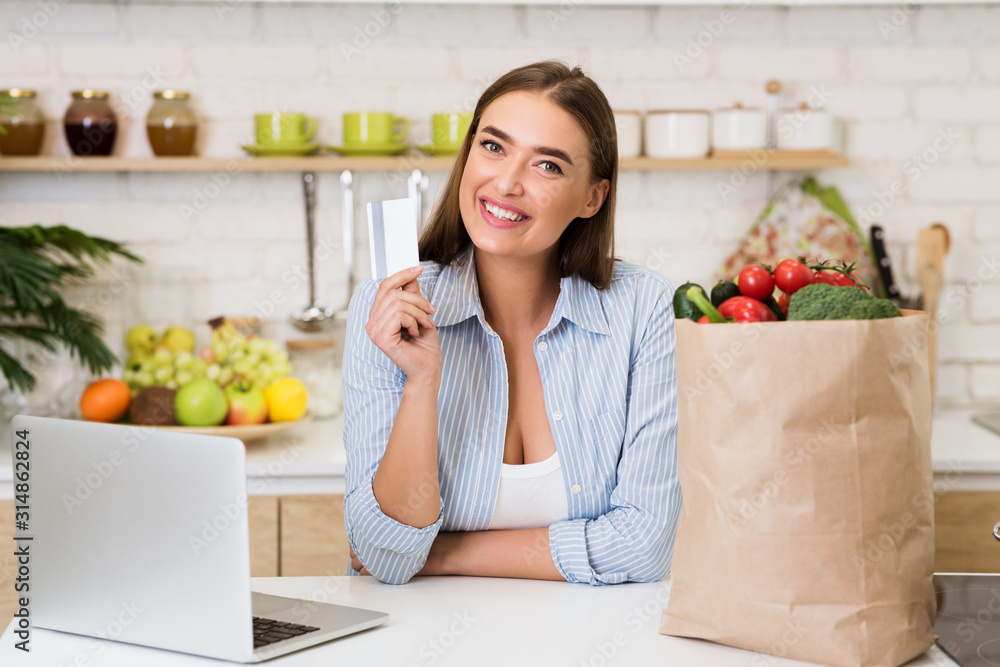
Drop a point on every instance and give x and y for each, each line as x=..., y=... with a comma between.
x=521, y=554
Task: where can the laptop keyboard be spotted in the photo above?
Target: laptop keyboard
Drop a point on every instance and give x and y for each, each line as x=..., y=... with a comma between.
x=268, y=631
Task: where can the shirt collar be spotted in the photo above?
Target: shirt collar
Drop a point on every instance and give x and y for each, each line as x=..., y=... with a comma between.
x=457, y=298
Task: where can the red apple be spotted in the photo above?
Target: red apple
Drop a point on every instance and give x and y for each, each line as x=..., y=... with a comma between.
x=246, y=405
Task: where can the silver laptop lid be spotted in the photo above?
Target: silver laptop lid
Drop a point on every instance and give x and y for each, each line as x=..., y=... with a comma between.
x=140, y=535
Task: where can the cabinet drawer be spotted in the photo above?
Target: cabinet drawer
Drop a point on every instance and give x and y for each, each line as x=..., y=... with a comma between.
x=313, y=537
x=963, y=531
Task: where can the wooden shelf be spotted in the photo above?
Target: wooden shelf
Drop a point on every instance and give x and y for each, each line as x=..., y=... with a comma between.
x=760, y=160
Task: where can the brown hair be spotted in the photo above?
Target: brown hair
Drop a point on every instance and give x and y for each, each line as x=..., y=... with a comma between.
x=587, y=246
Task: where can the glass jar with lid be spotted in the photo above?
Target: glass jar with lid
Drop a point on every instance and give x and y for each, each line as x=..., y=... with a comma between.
x=171, y=124
x=22, y=125
x=91, y=124
x=316, y=364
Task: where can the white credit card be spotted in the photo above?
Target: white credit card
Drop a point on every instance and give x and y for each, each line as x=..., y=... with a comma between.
x=392, y=236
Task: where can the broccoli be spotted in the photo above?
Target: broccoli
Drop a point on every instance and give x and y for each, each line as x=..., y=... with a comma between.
x=827, y=302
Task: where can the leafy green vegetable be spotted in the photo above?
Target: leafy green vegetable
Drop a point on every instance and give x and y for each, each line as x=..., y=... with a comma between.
x=827, y=302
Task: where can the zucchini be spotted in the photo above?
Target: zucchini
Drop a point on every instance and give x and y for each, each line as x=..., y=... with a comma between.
x=723, y=291
x=683, y=306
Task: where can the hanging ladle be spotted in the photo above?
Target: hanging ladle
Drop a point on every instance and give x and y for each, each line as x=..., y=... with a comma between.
x=315, y=317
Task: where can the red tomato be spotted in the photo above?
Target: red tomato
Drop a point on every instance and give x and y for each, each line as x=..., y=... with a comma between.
x=783, y=303
x=845, y=281
x=746, y=309
x=704, y=320
x=825, y=278
x=755, y=282
x=791, y=276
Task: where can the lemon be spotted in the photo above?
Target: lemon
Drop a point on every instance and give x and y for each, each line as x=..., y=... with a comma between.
x=286, y=400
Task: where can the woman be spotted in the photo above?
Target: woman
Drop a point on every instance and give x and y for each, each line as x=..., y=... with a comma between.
x=510, y=404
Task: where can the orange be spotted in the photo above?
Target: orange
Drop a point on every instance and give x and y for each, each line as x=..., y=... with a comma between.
x=105, y=400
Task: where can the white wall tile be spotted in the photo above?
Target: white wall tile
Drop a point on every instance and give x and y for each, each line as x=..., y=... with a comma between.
x=899, y=141
x=201, y=22
x=988, y=143
x=945, y=183
x=864, y=103
x=647, y=64
x=989, y=63
x=952, y=384
x=378, y=63
x=58, y=19
x=987, y=224
x=986, y=304
x=957, y=105
x=895, y=64
x=812, y=65
x=968, y=26
x=137, y=63
x=483, y=65
x=281, y=62
x=474, y=25
x=841, y=25
x=577, y=23
x=984, y=380
x=691, y=28
x=18, y=58
x=969, y=344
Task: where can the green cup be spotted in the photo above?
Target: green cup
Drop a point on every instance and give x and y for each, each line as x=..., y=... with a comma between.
x=374, y=127
x=449, y=129
x=284, y=128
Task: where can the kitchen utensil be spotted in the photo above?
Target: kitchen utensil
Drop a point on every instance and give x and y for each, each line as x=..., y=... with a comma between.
x=438, y=150
x=374, y=127
x=877, y=237
x=315, y=317
x=449, y=129
x=996, y=530
x=370, y=149
x=773, y=89
x=246, y=432
x=280, y=150
x=805, y=129
x=280, y=127
x=628, y=125
x=677, y=133
x=932, y=246
x=738, y=129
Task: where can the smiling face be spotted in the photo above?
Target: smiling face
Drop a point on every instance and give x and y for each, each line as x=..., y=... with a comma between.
x=528, y=176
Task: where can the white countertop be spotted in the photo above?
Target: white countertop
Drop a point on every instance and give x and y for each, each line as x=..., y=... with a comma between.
x=455, y=621
x=310, y=458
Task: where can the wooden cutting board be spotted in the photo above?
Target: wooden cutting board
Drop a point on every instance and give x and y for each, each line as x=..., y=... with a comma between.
x=932, y=246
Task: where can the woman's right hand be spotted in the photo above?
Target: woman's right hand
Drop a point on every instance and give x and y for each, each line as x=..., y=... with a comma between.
x=399, y=324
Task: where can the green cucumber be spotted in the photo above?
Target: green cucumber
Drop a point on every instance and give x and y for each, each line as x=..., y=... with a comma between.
x=684, y=308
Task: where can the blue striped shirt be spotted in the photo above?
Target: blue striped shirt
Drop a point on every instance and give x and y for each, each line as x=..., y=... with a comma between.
x=606, y=361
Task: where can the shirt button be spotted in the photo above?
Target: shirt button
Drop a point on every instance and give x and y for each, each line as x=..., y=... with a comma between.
x=576, y=489
x=542, y=346
x=557, y=416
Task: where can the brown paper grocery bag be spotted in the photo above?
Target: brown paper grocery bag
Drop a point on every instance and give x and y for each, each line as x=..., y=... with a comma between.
x=807, y=529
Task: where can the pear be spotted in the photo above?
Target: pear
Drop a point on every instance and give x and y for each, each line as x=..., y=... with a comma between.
x=141, y=338
x=179, y=339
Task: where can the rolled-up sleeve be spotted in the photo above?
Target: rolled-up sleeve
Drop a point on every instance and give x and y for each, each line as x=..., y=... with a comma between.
x=373, y=389
x=634, y=540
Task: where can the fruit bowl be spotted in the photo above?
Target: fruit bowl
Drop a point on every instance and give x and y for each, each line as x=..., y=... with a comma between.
x=244, y=433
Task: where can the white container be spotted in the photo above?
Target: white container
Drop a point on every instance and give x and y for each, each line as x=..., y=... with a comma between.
x=677, y=133
x=805, y=129
x=629, y=126
x=739, y=129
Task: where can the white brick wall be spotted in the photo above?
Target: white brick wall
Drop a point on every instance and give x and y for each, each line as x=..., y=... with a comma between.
x=895, y=77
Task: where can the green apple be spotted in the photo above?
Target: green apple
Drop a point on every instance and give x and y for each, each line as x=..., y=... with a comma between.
x=200, y=402
x=246, y=404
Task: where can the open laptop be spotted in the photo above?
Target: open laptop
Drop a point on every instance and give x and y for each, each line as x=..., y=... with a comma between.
x=145, y=531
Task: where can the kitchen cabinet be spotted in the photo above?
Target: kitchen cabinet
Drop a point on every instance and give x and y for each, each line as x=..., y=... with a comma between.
x=963, y=526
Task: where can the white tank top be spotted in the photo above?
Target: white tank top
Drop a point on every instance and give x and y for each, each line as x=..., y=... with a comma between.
x=532, y=495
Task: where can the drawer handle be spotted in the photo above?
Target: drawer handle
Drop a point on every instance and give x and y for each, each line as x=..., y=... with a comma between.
x=996, y=530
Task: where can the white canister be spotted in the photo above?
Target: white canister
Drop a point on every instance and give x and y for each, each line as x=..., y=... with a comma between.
x=677, y=133
x=805, y=129
x=629, y=126
x=739, y=129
